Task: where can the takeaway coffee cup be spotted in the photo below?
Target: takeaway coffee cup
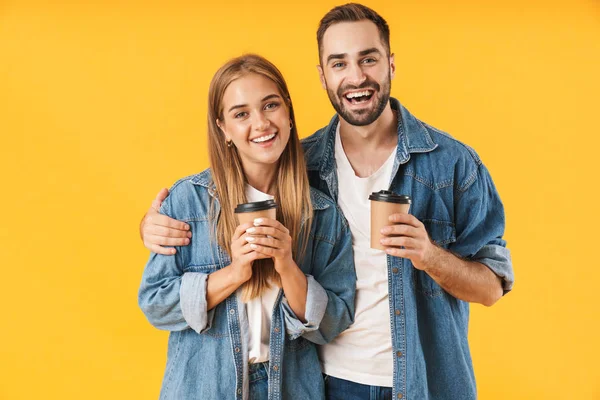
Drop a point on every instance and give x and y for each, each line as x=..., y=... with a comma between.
x=383, y=204
x=248, y=212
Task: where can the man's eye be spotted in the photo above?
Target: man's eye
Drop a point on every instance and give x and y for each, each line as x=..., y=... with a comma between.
x=338, y=65
x=369, y=61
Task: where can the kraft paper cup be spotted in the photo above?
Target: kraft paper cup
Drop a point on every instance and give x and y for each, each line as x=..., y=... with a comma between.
x=248, y=212
x=383, y=204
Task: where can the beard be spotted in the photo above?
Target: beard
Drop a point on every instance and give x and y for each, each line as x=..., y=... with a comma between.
x=364, y=116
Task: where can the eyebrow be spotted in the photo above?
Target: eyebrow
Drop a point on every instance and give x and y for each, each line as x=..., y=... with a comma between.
x=268, y=97
x=340, y=56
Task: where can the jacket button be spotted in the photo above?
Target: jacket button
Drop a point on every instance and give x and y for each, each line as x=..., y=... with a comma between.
x=399, y=395
x=397, y=312
x=231, y=312
x=275, y=368
x=239, y=391
x=399, y=354
x=276, y=330
x=237, y=349
x=395, y=270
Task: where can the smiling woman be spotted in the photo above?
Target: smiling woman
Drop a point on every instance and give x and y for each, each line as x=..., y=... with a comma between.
x=256, y=123
x=273, y=287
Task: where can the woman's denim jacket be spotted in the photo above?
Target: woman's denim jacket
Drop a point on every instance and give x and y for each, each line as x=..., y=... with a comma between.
x=208, y=352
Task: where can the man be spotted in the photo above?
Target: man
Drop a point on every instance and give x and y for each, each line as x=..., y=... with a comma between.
x=409, y=338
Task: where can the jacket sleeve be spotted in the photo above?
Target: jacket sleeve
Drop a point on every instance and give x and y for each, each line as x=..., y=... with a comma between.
x=171, y=299
x=331, y=291
x=480, y=226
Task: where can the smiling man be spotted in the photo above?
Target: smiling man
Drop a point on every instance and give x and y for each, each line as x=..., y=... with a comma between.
x=409, y=337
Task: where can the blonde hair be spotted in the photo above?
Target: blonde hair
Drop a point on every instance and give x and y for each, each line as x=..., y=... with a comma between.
x=292, y=191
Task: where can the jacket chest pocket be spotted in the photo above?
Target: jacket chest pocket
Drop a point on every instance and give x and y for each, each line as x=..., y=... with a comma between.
x=442, y=233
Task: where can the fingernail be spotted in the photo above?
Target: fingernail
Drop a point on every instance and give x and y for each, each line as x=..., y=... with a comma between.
x=250, y=230
x=258, y=221
x=189, y=234
x=385, y=230
x=187, y=241
x=172, y=251
x=187, y=227
x=253, y=246
x=250, y=238
x=383, y=241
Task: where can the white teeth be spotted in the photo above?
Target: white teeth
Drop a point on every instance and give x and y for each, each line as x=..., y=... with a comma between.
x=358, y=94
x=264, y=138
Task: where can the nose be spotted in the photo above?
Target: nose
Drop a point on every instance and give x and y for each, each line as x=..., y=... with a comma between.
x=356, y=75
x=260, y=122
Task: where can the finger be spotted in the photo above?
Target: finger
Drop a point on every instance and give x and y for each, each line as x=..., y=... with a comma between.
x=160, y=230
x=272, y=223
x=243, y=250
x=400, y=230
x=400, y=241
x=163, y=220
x=254, y=255
x=268, y=251
x=401, y=218
x=265, y=241
x=266, y=231
x=396, y=252
x=155, y=205
x=166, y=241
x=162, y=195
x=240, y=230
x=167, y=251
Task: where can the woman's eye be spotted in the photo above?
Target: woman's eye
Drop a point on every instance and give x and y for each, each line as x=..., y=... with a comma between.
x=240, y=114
x=271, y=106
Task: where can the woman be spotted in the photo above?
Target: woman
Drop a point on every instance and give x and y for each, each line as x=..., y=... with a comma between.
x=239, y=328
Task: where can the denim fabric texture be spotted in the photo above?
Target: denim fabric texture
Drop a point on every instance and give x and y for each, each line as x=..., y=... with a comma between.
x=455, y=198
x=258, y=378
x=207, y=354
x=341, y=389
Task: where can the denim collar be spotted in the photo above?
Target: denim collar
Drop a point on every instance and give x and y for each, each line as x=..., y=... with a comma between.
x=204, y=179
x=413, y=137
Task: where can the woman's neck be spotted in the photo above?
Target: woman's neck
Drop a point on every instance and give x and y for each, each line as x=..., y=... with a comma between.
x=261, y=177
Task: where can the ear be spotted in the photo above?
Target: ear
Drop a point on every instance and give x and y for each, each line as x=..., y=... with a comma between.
x=392, y=66
x=222, y=130
x=219, y=125
x=322, y=77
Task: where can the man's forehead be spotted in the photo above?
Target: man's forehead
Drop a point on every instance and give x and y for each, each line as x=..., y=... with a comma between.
x=351, y=38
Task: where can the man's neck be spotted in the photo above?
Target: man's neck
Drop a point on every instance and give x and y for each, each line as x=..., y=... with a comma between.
x=380, y=133
x=368, y=147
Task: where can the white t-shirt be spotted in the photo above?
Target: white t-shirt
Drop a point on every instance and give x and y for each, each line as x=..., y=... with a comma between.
x=260, y=309
x=363, y=352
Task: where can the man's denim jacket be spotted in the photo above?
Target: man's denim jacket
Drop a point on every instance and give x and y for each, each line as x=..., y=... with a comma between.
x=455, y=198
x=208, y=353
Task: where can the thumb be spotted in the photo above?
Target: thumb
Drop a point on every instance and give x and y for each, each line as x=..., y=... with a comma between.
x=160, y=197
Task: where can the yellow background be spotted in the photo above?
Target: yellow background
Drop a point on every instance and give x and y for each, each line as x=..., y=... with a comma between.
x=104, y=103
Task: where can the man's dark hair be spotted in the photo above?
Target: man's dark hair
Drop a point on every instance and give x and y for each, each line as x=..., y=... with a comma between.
x=353, y=12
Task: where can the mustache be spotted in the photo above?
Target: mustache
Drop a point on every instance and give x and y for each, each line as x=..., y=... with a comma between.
x=365, y=85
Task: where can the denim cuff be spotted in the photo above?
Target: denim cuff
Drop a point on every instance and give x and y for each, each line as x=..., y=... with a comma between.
x=497, y=258
x=192, y=295
x=316, y=304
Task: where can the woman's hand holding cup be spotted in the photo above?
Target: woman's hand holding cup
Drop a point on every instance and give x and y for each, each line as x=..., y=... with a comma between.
x=271, y=239
x=242, y=254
